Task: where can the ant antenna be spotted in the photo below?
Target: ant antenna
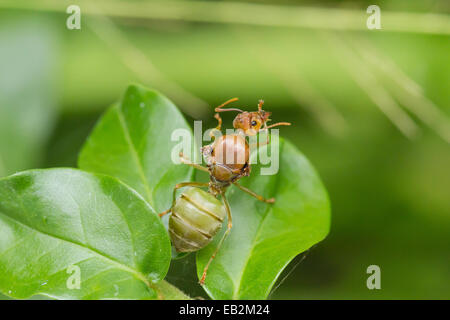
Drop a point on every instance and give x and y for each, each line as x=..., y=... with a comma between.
x=278, y=124
x=219, y=108
x=260, y=104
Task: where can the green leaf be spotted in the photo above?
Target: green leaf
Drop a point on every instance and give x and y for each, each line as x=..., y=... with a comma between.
x=170, y=292
x=266, y=237
x=53, y=219
x=132, y=142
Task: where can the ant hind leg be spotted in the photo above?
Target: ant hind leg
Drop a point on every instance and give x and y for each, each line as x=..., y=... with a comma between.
x=253, y=194
x=225, y=235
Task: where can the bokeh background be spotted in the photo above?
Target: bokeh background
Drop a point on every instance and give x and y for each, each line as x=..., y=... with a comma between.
x=370, y=109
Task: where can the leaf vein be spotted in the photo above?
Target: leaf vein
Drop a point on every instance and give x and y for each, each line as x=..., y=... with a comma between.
x=135, y=154
x=84, y=247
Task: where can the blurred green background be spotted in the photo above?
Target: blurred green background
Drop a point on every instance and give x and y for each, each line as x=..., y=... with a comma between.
x=370, y=109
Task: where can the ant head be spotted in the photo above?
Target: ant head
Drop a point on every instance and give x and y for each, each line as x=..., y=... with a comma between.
x=250, y=122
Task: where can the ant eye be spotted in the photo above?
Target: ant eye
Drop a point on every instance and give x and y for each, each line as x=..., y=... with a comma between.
x=253, y=123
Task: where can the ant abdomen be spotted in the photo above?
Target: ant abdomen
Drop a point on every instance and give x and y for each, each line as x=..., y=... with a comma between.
x=196, y=217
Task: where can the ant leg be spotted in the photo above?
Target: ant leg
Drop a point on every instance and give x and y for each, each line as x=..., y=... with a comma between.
x=217, y=116
x=219, y=120
x=218, y=128
x=178, y=186
x=257, y=196
x=230, y=223
x=266, y=128
x=190, y=163
x=257, y=144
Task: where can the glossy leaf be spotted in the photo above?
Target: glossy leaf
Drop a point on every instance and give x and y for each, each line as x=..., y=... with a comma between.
x=53, y=219
x=266, y=237
x=132, y=142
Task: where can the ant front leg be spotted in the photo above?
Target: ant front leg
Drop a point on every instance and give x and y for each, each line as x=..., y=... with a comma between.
x=257, y=196
x=212, y=133
x=219, y=121
x=190, y=163
x=219, y=118
x=266, y=128
x=258, y=144
x=178, y=186
x=229, y=225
